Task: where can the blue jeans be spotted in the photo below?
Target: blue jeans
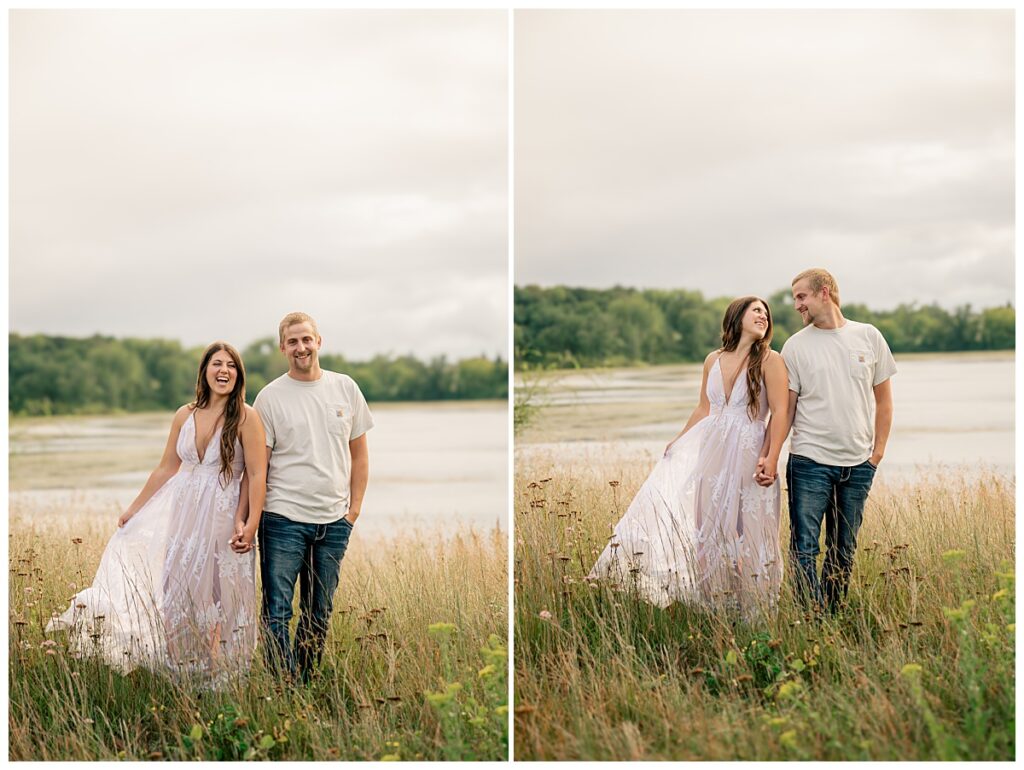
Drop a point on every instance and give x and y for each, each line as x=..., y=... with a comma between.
x=311, y=553
x=835, y=494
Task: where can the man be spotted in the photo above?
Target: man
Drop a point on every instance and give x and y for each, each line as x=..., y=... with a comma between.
x=840, y=407
x=316, y=423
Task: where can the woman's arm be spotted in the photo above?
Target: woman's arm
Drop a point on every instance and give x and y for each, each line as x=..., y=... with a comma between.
x=703, y=408
x=776, y=382
x=242, y=509
x=254, y=481
x=169, y=464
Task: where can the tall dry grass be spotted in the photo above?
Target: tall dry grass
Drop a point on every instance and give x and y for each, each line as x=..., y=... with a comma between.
x=919, y=666
x=415, y=666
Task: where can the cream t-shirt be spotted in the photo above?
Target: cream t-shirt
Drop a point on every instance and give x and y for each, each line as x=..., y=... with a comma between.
x=833, y=372
x=308, y=426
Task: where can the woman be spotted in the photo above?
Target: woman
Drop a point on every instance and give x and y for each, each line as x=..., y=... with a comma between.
x=702, y=529
x=176, y=586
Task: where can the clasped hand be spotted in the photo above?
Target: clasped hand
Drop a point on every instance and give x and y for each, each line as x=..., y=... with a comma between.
x=765, y=474
x=243, y=539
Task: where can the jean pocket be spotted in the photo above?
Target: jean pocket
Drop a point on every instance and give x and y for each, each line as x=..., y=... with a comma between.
x=871, y=465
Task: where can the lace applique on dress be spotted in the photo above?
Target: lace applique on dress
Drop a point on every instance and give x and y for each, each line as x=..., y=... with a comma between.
x=707, y=531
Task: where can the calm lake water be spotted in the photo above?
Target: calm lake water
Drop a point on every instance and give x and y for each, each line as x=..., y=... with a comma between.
x=953, y=410
x=431, y=464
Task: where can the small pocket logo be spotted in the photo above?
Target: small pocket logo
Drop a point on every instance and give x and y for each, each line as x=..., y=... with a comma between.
x=341, y=412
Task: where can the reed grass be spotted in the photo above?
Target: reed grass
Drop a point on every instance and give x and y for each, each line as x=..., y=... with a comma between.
x=918, y=666
x=415, y=666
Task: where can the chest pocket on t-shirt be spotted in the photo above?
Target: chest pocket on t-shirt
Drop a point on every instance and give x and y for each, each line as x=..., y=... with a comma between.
x=339, y=420
x=862, y=364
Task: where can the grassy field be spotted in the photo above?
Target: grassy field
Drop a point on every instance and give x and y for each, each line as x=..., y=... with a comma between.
x=415, y=667
x=920, y=666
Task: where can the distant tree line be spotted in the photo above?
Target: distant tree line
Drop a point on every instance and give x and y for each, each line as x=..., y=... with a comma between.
x=96, y=375
x=565, y=327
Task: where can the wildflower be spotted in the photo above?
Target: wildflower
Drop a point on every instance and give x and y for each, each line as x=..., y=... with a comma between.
x=961, y=612
x=545, y=615
x=911, y=670
x=1002, y=593
x=51, y=652
x=441, y=630
x=501, y=710
x=443, y=698
x=486, y=671
x=790, y=689
x=391, y=758
x=954, y=557
x=788, y=739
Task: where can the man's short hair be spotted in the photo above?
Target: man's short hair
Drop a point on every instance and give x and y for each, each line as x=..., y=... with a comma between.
x=295, y=318
x=820, y=279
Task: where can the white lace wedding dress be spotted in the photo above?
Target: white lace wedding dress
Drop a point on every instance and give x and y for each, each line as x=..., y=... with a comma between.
x=701, y=530
x=169, y=592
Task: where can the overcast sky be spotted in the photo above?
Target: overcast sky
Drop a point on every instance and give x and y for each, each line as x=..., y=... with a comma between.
x=727, y=151
x=196, y=175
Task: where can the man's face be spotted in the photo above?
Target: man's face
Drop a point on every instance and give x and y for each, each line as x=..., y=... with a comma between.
x=809, y=305
x=300, y=346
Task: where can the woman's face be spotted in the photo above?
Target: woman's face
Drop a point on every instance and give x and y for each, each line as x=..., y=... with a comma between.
x=221, y=373
x=755, y=320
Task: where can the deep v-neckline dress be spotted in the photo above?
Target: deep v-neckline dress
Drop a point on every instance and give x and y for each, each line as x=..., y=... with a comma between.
x=701, y=530
x=169, y=592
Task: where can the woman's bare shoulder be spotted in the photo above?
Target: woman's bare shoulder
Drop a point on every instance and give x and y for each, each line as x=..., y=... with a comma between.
x=250, y=417
x=774, y=361
x=180, y=416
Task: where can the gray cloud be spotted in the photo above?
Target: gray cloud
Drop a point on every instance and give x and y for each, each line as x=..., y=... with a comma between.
x=196, y=174
x=725, y=151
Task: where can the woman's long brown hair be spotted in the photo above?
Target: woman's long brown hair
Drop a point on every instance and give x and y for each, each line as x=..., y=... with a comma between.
x=732, y=329
x=234, y=409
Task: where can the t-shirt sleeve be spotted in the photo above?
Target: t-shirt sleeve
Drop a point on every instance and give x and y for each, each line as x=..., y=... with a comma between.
x=362, y=420
x=789, y=356
x=885, y=366
x=262, y=408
